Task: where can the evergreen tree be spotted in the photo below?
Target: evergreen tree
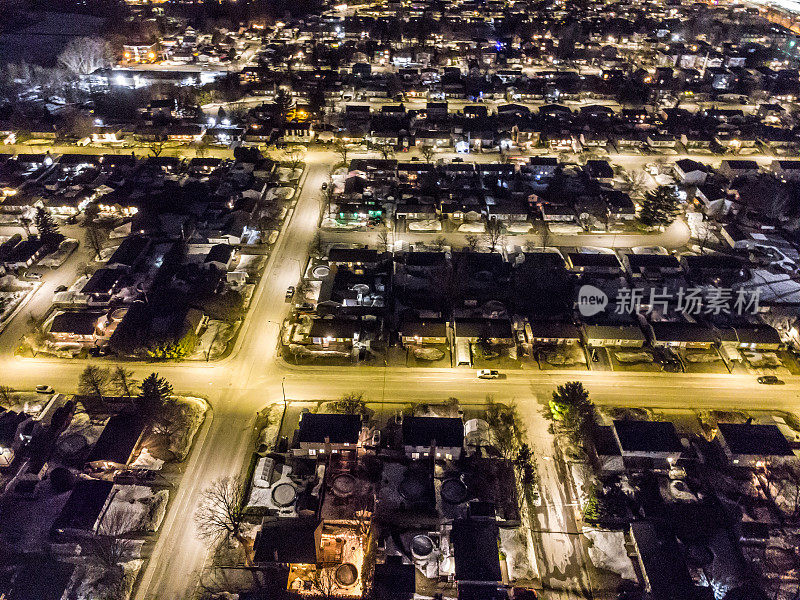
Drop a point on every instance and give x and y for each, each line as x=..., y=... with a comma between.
x=283, y=104
x=660, y=207
x=154, y=392
x=47, y=228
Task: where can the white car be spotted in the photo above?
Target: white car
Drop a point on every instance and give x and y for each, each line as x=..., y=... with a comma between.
x=44, y=389
x=488, y=374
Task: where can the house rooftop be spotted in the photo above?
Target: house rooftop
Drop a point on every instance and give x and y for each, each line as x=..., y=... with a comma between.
x=489, y=329
x=77, y=322
x=447, y=432
x=662, y=562
x=424, y=328
x=84, y=505
x=129, y=251
x=102, y=281
x=475, y=547
x=118, y=439
x=591, y=259
x=393, y=579
x=220, y=253
x=335, y=428
x=682, y=331
x=287, y=540
x=352, y=255
x=647, y=436
x=652, y=261
x=755, y=439
x=39, y=578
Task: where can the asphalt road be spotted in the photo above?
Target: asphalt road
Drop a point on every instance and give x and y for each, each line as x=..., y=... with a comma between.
x=251, y=377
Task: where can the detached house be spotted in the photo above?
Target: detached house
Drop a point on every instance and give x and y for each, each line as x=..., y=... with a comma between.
x=439, y=437
x=327, y=433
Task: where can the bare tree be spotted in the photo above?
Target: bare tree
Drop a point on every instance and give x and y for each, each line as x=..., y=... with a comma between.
x=221, y=513
x=386, y=150
x=362, y=506
x=545, y=234
x=353, y=403
x=94, y=381
x=427, y=152
x=85, y=55
x=341, y=149
x=384, y=243
x=638, y=181
x=439, y=242
x=111, y=549
x=505, y=424
x=95, y=238
x=8, y=396
x=494, y=234
x=26, y=222
x=156, y=148
x=324, y=582
x=784, y=487
x=472, y=241
x=316, y=250
x=122, y=381
x=293, y=156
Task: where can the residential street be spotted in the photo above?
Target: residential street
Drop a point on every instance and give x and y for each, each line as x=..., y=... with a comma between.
x=250, y=378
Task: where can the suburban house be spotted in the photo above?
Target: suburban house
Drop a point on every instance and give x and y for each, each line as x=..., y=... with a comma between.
x=754, y=444
x=682, y=334
x=75, y=327
x=423, y=332
x=541, y=332
x=440, y=437
x=119, y=442
x=327, y=433
x=610, y=335
x=495, y=331
x=647, y=444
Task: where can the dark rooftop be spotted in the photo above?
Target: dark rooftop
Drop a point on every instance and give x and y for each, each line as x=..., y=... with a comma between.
x=85, y=503
x=287, y=540
x=129, y=251
x=78, y=323
x=220, y=253
x=647, y=436
x=352, y=255
x=336, y=428
x=477, y=555
x=40, y=579
x=393, y=580
x=445, y=431
x=102, y=281
x=755, y=439
x=118, y=439
x=483, y=328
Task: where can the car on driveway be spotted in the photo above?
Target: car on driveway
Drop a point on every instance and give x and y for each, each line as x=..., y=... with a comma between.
x=769, y=380
x=488, y=374
x=44, y=389
x=289, y=293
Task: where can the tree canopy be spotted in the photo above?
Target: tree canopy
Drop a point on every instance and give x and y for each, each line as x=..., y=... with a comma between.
x=659, y=207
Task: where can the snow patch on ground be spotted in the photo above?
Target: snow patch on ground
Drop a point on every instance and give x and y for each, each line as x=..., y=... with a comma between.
x=135, y=508
x=607, y=551
x=472, y=228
